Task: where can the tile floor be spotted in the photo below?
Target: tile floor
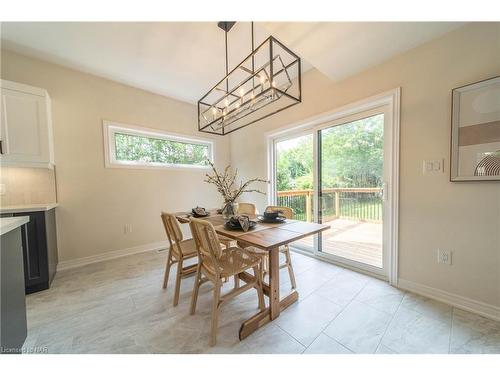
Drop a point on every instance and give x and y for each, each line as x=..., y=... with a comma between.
x=118, y=306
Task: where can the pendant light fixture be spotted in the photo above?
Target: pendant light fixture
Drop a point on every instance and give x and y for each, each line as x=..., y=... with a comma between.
x=266, y=82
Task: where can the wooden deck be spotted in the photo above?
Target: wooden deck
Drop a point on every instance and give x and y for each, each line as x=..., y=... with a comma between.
x=355, y=240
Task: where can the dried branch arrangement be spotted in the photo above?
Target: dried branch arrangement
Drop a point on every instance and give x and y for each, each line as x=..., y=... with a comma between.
x=225, y=183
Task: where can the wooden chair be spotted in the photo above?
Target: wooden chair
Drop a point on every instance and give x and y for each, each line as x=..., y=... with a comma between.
x=180, y=250
x=215, y=265
x=288, y=213
x=247, y=209
x=250, y=210
x=243, y=209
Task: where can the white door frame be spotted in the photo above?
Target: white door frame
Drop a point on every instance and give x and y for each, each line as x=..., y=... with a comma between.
x=391, y=139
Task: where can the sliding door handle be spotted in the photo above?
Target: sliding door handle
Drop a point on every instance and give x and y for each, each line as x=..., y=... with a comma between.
x=384, y=192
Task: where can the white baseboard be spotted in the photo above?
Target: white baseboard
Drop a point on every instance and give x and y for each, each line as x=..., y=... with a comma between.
x=67, y=264
x=464, y=303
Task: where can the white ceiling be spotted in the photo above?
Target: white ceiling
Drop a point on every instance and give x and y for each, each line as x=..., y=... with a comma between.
x=341, y=49
x=185, y=59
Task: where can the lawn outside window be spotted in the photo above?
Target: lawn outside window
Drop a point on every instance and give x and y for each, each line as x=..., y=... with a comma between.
x=129, y=146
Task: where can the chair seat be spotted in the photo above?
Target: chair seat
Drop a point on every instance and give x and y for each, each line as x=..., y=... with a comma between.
x=264, y=253
x=188, y=248
x=256, y=251
x=235, y=260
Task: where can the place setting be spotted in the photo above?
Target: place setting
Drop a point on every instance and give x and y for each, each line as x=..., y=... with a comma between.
x=196, y=212
x=240, y=222
x=199, y=212
x=245, y=223
x=272, y=217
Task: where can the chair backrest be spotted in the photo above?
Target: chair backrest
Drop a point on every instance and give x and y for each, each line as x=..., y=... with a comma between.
x=173, y=229
x=287, y=211
x=247, y=209
x=207, y=242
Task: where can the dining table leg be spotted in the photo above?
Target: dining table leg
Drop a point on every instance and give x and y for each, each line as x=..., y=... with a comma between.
x=274, y=283
x=272, y=290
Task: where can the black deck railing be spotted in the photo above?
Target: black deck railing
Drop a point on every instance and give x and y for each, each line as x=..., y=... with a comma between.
x=364, y=204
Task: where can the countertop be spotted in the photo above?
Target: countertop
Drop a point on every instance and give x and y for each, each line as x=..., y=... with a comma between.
x=10, y=223
x=27, y=208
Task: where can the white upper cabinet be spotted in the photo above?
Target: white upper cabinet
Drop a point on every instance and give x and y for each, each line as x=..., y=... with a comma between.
x=26, y=126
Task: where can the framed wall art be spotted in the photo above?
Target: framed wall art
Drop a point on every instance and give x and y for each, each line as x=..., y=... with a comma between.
x=475, y=132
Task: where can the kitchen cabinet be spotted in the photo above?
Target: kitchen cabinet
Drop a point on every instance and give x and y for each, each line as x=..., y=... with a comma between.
x=26, y=126
x=39, y=244
x=13, y=329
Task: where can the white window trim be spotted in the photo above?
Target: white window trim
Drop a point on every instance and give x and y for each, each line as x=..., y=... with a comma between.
x=110, y=128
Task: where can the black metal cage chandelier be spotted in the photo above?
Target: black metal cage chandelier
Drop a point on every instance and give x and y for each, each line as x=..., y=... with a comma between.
x=266, y=82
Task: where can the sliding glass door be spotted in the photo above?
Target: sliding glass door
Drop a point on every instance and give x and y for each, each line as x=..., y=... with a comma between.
x=336, y=173
x=351, y=175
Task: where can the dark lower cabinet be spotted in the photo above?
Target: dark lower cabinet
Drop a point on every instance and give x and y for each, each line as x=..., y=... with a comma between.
x=12, y=300
x=39, y=243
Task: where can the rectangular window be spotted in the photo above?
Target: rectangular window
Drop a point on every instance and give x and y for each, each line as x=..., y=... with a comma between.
x=135, y=147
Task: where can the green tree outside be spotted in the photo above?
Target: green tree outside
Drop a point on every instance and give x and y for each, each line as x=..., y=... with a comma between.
x=351, y=156
x=156, y=150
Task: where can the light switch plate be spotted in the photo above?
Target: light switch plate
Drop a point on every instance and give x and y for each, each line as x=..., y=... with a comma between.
x=433, y=166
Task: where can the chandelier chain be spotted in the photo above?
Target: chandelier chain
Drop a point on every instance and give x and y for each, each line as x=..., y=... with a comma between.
x=227, y=62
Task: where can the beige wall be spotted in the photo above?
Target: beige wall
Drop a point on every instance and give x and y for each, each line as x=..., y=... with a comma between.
x=434, y=213
x=96, y=202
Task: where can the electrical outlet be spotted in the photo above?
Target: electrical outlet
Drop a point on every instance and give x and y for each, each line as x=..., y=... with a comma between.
x=444, y=256
x=127, y=228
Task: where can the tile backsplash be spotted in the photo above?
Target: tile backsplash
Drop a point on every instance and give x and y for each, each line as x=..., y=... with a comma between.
x=27, y=186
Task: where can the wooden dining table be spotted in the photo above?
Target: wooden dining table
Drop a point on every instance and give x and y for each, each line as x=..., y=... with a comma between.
x=269, y=237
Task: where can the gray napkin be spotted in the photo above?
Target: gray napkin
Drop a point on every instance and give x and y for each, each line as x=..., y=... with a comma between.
x=244, y=222
x=200, y=211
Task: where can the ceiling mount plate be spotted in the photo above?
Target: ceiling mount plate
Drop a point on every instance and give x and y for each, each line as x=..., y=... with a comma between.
x=226, y=25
